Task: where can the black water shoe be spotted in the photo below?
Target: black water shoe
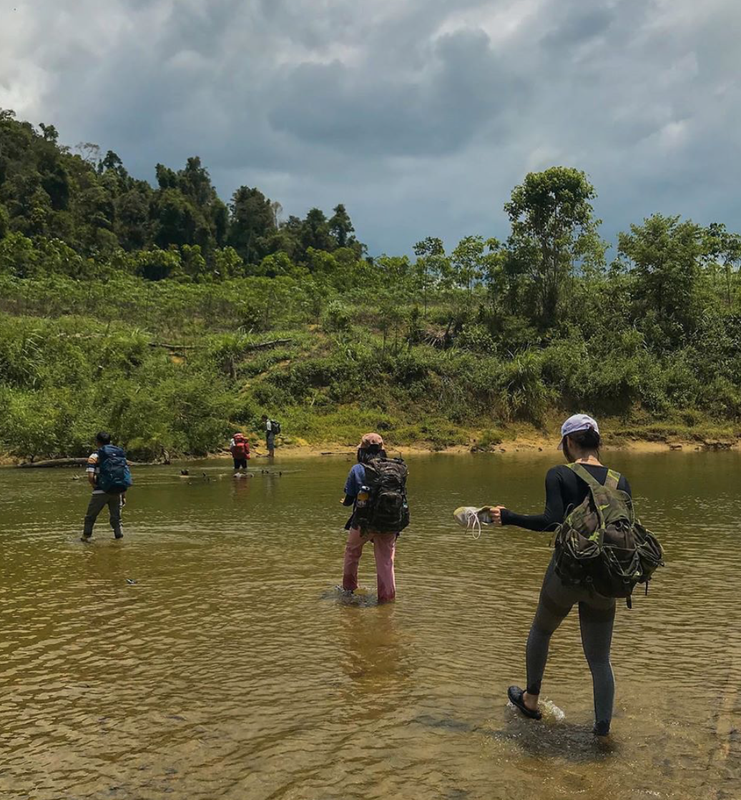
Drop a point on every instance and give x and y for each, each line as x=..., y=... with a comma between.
x=601, y=728
x=516, y=697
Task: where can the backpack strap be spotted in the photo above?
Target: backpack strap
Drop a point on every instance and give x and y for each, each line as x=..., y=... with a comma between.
x=611, y=481
x=585, y=475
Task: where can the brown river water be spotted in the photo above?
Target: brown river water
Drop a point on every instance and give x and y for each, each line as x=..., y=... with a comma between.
x=208, y=656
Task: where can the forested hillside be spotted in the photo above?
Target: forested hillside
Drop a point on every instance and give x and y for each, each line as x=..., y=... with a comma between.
x=171, y=317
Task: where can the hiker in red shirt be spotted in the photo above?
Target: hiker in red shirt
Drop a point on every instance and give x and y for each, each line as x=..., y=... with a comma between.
x=240, y=450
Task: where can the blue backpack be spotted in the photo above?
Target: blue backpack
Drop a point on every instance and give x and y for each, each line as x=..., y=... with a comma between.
x=114, y=476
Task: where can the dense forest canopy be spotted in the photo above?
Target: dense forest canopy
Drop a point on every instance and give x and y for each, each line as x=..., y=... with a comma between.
x=171, y=316
x=89, y=201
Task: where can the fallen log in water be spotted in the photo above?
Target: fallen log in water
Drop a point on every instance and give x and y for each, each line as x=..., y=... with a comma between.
x=54, y=462
x=78, y=462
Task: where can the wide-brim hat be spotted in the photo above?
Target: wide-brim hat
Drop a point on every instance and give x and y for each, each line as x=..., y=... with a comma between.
x=370, y=440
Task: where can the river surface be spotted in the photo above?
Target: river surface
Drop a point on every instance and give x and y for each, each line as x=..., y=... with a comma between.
x=208, y=656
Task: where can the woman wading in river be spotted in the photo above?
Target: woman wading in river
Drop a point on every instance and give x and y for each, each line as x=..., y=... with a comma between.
x=580, y=441
x=376, y=489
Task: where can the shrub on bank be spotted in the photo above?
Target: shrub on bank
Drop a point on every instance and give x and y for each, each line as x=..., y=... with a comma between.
x=171, y=369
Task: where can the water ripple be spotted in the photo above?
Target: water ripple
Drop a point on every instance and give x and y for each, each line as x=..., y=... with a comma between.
x=206, y=655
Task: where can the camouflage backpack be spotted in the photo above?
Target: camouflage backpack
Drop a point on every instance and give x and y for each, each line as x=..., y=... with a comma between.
x=386, y=510
x=601, y=544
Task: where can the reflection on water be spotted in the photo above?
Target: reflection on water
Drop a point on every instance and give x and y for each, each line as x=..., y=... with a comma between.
x=208, y=656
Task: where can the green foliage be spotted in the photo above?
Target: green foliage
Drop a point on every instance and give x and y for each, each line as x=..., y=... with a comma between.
x=489, y=439
x=553, y=231
x=470, y=263
x=665, y=258
x=90, y=202
x=337, y=317
x=341, y=228
x=169, y=318
x=252, y=223
x=4, y=221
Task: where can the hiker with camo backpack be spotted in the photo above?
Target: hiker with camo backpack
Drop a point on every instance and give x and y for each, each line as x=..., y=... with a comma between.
x=601, y=552
x=376, y=489
x=108, y=474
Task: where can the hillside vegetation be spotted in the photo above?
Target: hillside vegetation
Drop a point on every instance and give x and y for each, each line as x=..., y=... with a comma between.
x=172, y=318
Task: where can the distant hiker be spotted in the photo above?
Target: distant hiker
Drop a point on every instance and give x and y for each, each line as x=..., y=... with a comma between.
x=240, y=450
x=376, y=489
x=272, y=429
x=109, y=475
x=582, y=499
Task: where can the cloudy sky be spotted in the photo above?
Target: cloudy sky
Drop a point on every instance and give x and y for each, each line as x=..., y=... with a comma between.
x=419, y=115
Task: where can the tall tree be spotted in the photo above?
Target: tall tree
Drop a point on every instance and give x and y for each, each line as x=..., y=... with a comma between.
x=132, y=218
x=665, y=257
x=724, y=248
x=472, y=260
x=166, y=177
x=315, y=231
x=341, y=227
x=112, y=163
x=432, y=265
x=252, y=222
x=195, y=183
x=186, y=209
x=553, y=232
x=174, y=219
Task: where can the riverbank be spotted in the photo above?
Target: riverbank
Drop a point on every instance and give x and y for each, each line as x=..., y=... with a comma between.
x=515, y=440
x=651, y=441
x=206, y=375
x=516, y=447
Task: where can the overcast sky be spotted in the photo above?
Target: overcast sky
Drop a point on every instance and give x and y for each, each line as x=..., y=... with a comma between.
x=419, y=115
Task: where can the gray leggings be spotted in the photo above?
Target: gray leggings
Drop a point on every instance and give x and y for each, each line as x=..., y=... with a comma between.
x=596, y=617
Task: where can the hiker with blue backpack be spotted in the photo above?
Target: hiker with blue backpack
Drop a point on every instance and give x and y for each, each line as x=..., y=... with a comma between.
x=601, y=551
x=109, y=475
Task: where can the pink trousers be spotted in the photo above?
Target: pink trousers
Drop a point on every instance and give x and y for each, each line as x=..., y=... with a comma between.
x=384, y=549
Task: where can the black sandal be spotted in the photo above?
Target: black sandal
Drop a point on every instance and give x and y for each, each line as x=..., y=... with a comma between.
x=516, y=697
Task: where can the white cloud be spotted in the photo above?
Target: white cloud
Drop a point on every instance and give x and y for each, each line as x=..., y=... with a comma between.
x=500, y=21
x=419, y=115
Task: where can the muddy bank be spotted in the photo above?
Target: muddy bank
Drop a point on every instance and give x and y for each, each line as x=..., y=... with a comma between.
x=517, y=444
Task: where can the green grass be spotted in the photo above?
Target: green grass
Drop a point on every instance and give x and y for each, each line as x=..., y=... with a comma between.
x=77, y=357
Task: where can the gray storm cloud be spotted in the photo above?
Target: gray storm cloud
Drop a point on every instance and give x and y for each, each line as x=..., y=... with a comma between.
x=419, y=115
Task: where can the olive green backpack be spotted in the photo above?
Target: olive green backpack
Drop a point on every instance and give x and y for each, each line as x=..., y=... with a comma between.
x=601, y=545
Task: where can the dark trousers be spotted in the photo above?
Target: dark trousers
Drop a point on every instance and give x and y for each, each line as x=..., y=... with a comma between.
x=596, y=618
x=97, y=503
